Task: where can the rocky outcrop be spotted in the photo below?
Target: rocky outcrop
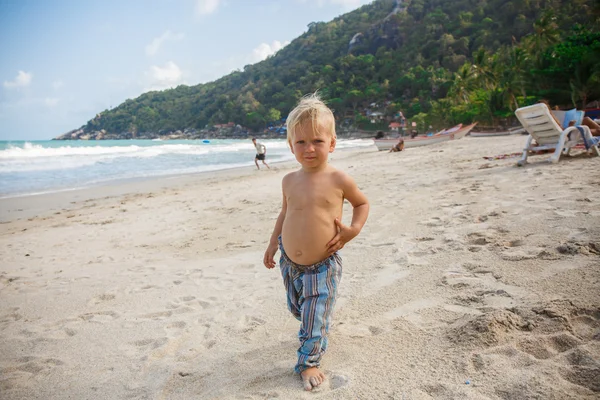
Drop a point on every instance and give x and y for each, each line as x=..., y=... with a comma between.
x=71, y=135
x=82, y=134
x=380, y=34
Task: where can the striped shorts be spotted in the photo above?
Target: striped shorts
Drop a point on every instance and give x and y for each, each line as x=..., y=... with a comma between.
x=311, y=293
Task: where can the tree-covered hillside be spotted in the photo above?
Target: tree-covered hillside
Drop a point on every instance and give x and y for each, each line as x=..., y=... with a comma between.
x=439, y=61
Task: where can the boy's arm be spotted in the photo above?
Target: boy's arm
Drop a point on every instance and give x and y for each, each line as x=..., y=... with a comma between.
x=360, y=212
x=278, y=225
x=269, y=257
x=360, y=205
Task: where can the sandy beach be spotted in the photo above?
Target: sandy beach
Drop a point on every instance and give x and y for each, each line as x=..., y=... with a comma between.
x=472, y=279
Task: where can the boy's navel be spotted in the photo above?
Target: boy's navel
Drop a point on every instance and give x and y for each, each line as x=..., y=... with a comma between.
x=298, y=253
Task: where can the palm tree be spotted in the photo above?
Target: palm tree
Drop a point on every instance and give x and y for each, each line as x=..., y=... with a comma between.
x=464, y=83
x=511, y=69
x=545, y=34
x=483, y=65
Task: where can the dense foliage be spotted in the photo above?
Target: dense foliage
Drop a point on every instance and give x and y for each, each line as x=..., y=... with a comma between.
x=439, y=61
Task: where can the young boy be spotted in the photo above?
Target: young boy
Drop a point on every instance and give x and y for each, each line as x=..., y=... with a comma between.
x=310, y=230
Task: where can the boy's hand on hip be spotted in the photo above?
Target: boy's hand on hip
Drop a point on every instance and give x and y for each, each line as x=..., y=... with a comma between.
x=269, y=258
x=344, y=235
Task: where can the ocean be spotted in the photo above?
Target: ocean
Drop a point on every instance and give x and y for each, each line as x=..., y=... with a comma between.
x=35, y=167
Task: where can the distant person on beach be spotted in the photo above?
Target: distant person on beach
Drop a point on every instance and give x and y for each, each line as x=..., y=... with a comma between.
x=398, y=146
x=590, y=123
x=310, y=229
x=593, y=125
x=587, y=121
x=261, y=153
x=550, y=108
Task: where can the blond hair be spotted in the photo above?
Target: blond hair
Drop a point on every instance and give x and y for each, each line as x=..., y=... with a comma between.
x=312, y=108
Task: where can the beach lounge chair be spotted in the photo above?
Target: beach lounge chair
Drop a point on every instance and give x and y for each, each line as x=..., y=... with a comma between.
x=549, y=135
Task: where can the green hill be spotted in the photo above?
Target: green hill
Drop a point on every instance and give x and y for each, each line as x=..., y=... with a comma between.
x=439, y=61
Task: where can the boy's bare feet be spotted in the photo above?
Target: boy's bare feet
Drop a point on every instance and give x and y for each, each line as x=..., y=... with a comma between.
x=312, y=377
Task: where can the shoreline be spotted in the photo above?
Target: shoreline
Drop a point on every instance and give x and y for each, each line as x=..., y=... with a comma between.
x=28, y=205
x=99, y=181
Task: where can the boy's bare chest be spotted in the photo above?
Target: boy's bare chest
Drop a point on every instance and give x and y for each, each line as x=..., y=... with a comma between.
x=322, y=194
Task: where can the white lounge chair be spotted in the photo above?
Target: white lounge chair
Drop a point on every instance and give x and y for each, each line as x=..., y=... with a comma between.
x=542, y=128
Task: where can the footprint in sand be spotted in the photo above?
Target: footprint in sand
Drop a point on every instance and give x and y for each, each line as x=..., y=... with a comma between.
x=142, y=348
x=159, y=315
x=35, y=365
x=11, y=317
x=481, y=238
x=557, y=340
x=526, y=253
x=100, y=316
x=509, y=250
x=481, y=287
x=176, y=329
x=546, y=346
x=434, y=222
x=412, y=311
x=413, y=252
x=249, y=323
x=61, y=333
x=101, y=298
x=143, y=342
x=358, y=329
x=387, y=274
x=338, y=381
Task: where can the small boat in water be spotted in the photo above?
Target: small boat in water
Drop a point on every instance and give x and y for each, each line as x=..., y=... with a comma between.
x=454, y=133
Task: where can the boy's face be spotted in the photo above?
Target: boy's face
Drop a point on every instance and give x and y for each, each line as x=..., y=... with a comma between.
x=312, y=148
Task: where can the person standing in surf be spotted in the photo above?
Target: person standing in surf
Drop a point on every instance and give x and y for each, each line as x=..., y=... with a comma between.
x=261, y=153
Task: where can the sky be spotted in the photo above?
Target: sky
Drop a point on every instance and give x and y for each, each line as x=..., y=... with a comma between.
x=63, y=61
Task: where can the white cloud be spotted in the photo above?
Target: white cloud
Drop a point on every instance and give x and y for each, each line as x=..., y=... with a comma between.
x=51, y=101
x=57, y=84
x=153, y=47
x=21, y=80
x=265, y=50
x=219, y=68
x=205, y=7
x=164, y=77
